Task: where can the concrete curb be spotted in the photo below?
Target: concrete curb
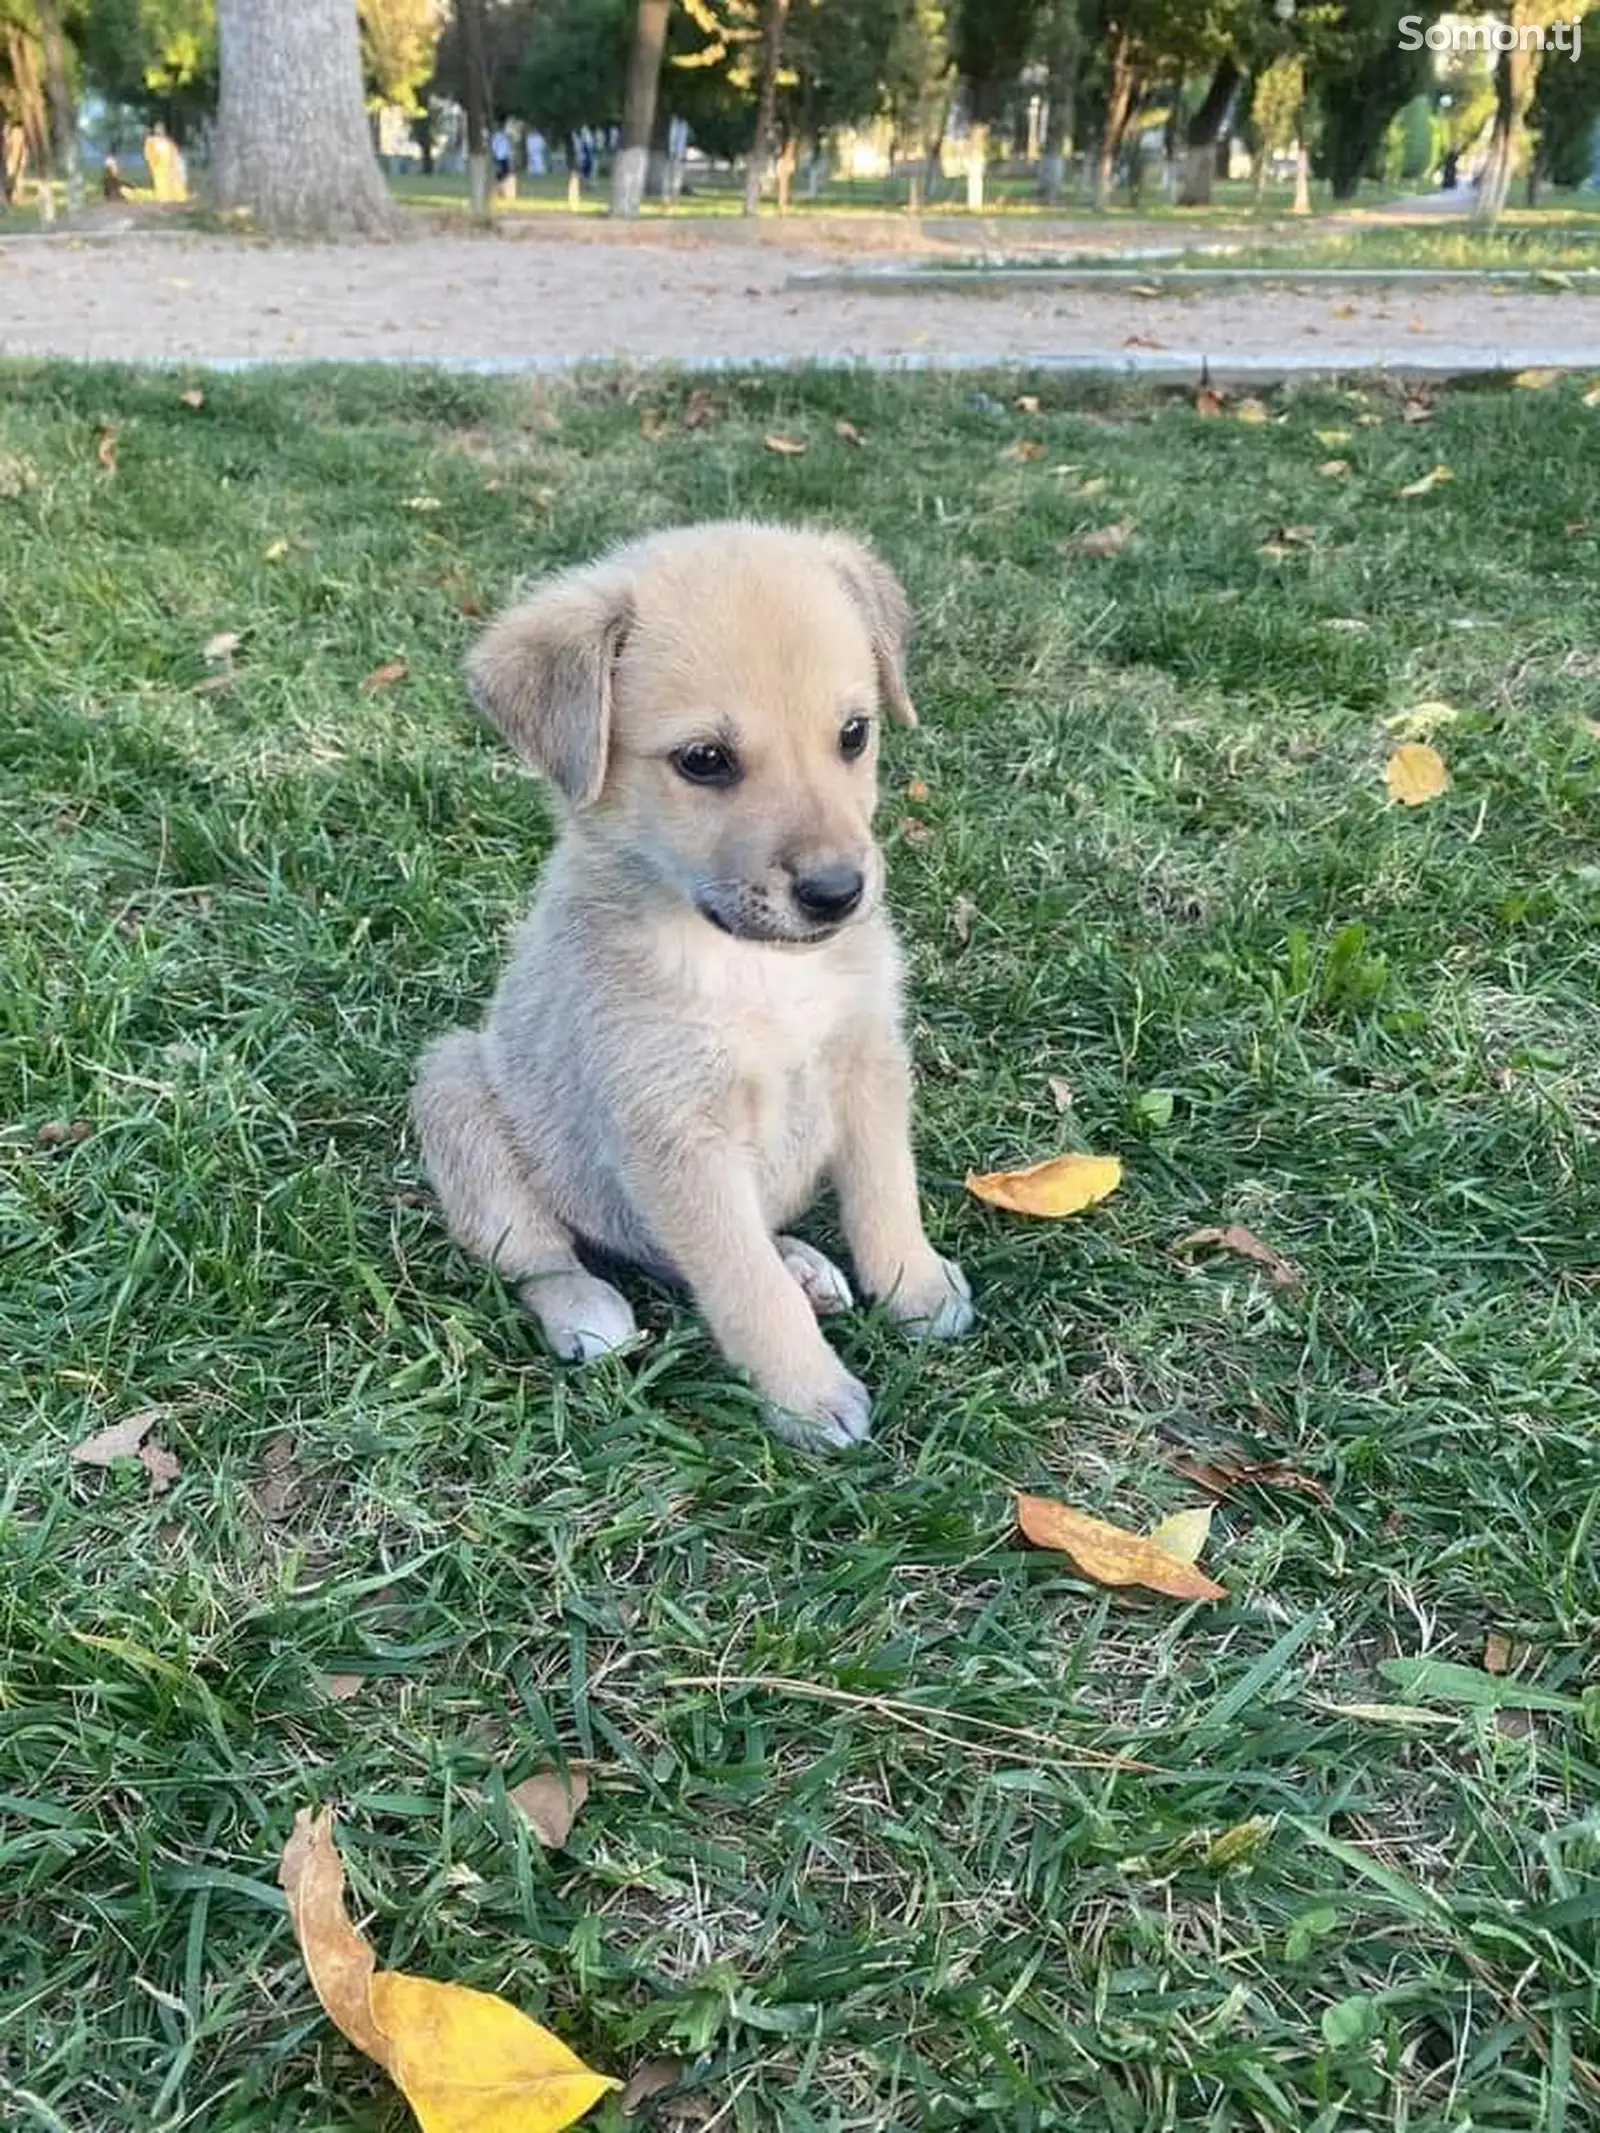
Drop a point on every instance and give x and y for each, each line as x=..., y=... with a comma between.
x=1172, y=280
x=1169, y=367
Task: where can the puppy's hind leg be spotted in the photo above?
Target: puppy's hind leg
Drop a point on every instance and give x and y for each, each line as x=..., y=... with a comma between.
x=492, y=1206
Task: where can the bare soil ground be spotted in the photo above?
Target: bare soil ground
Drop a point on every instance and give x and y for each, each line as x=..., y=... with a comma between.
x=546, y=288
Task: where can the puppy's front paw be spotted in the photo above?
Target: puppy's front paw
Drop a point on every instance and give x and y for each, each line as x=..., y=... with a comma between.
x=933, y=1300
x=582, y=1315
x=820, y=1281
x=829, y=1417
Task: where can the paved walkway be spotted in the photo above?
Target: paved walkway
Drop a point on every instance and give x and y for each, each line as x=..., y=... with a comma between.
x=545, y=292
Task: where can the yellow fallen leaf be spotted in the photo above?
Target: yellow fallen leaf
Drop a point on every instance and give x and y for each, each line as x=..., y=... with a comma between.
x=465, y=2061
x=785, y=447
x=1415, y=773
x=1331, y=440
x=1592, y=397
x=847, y=433
x=222, y=646
x=1109, y=1555
x=1023, y=448
x=1537, y=381
x=1421, y=720
x=275, y=552
x=1425, y=482
x=1183, y=1536
x=1342, y=311
x=1062, y=1185
x=1252, y=411
x=193, y=397
x=1026, y=403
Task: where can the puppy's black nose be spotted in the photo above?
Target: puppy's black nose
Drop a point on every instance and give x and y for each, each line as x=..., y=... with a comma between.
x=829, y=894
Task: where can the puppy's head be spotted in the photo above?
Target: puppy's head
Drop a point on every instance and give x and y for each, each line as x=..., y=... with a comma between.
x=707, y=704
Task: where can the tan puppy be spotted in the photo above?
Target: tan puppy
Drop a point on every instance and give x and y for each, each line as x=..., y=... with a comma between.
x=701, y=1019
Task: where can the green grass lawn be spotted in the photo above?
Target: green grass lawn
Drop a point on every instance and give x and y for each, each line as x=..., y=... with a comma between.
x=854, y=1852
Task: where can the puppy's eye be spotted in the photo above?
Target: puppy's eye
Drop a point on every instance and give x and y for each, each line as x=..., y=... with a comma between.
x=854, y=735
x=706, y=763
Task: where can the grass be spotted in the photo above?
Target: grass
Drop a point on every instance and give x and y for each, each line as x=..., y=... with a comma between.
x=854, y=1852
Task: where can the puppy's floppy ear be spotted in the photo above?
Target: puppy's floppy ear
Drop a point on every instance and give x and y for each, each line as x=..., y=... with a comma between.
x=542, y=673
x=882, y=600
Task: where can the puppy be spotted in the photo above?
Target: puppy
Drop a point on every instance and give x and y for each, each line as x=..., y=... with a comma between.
x=701, y=1018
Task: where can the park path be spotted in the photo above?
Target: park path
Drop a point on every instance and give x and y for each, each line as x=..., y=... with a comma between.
x=543, y=290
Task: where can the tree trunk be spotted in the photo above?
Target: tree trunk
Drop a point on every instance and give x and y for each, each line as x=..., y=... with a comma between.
x=632, y=167
x=34, y=121
x=1061, y=60
x=1119, y=103
x=1204, y=128
x=1302, y=176
x=777, y=14
x=292, y=146
x=977, y=158
x=1514, y=78
x=475, y=81
x=63, y=111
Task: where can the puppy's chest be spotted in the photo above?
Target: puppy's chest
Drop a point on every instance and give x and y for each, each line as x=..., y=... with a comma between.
x=786, y=1045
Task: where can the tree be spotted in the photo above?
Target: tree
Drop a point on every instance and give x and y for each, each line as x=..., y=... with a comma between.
x=157, y=57
x=293, y=150
x=632, y=166
x=1205, y=125
x=399, y=45
x=1277, y=106
x=1361, y=75
x=571, y=67
x=990, y=41
x=775, y=14
x=1565, y=110
x=63, y=103
x=476, y=98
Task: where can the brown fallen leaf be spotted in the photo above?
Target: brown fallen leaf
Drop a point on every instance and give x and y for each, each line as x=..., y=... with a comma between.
x=275, y=1493
x=1208, y=401
x=917, y=789
x=62, y=1132
x=1415, y=774
x=647, y=2081
x=653, y=425
x=130, y=1439
x=222, y=646
x=1244, y=1244
x=161, y=1466
x=912, y=831
x=1061, y=1185
x=106, y=450
x=1026, y=403
x=1060, y=1092
x=1341, y=311
x=1141, y=340
x=1022, y=448
x=466, y=2062
x=550, y=1802
x=383, y=677
x=1334, y=469
x=1496, y=1653
x=962, y=912
x=339, y=1688
x=847, y=433
x=785, y=447
x=1109, y=1555
x=1222, y=1475
x=192, y=397
x=699, y=410
x=1425, y=482
x=1109, y=540
x=1146, y=289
